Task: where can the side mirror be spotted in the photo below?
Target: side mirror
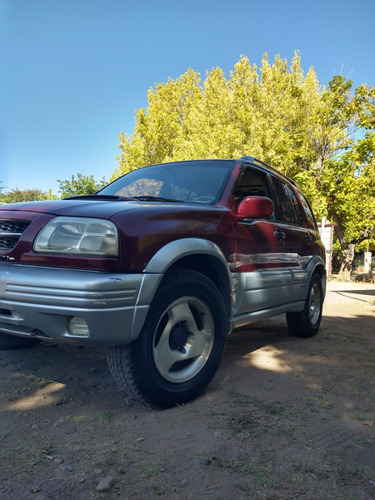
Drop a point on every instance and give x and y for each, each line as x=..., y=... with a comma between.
x=254, y=207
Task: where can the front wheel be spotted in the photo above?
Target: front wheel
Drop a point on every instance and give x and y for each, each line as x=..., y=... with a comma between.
x=181, y=344
x=13, y=342
x=307, y=322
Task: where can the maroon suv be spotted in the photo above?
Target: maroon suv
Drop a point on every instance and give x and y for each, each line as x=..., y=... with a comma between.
x=159, y=267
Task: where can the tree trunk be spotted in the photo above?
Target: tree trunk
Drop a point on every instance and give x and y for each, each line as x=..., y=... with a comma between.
x=347, y=250
x=347, y=261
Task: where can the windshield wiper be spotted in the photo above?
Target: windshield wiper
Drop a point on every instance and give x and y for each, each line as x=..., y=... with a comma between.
x=155, y=198
x=110, y=197
x=106, y=197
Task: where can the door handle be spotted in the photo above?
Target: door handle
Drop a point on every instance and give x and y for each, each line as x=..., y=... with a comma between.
x=308, y=237
x=279, y=235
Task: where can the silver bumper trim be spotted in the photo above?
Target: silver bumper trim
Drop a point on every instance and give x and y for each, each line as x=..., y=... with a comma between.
x=39, y=301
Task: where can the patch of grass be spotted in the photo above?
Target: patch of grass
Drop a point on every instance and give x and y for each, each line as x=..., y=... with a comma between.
x=241, y=400
x=246, y=487
x=22, y=458
x=242, y=423
x=366, y=420
x=133, y=448
x=163, y=489
x=263, y=478
x=79, y=418
x=324, y=403
x=203, y=455
x=150, y=469
x=44, y=382
x=363, y=360
x=238, y=398
x=334, y=337
x=273, y=408
x=105, y=417
x=317, y=403
x=260, y=473
x=301, y=469
x=348, y=473
x=247, y=418
x=320, y=352
x=241, y=465
x=356, y=386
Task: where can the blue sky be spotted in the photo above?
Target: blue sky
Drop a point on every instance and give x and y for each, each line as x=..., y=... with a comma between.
x=73, y=72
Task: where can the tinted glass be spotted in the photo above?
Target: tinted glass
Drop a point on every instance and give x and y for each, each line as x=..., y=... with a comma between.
x=289, y=209
x=251, y=182
x=285, y=207
x=195, y=181
x=308, y=212
x=298, y=214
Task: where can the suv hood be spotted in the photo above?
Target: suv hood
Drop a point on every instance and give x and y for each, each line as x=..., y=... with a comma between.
x=75, y=207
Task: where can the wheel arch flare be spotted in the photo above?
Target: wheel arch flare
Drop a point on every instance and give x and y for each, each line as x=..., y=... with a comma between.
x=191, y=253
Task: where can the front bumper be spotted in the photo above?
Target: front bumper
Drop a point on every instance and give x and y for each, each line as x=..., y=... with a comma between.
x=38, y=302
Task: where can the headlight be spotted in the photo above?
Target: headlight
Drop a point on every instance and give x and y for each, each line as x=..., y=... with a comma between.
x=78, y=235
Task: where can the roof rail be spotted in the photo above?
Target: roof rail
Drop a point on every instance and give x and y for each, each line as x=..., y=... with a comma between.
x=250, y=158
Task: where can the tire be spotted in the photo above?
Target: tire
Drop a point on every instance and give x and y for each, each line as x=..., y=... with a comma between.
x=181, y=344
x=13, y=342
x=307, y=322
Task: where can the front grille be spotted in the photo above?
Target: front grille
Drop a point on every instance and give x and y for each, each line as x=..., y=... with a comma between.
x=10, y=232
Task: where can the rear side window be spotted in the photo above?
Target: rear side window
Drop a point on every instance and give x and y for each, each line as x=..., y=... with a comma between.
x=289, y=209
x=309, y=213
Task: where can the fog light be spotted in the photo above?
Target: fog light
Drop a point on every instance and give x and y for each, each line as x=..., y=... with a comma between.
x=78, y=327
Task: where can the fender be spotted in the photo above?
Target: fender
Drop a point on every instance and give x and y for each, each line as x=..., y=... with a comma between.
x=317, y=264
x=178, y=249
x=163, y=260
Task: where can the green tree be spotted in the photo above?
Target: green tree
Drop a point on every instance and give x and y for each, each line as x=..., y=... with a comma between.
x=161, y=129
x=81, y=185
x=266, y=112
x=341, y=181
x=18, y=195
x=322, y=137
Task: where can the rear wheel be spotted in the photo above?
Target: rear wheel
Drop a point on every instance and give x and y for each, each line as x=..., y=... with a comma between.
x=307, y=322
x=181, y=345
x=13, y=342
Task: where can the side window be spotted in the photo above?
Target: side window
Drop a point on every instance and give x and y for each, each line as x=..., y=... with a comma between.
x=308, y=212
x=298, y=214
x=251, y=182
x=289, y=208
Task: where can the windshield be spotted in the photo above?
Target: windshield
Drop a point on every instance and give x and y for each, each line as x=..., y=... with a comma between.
x=189, y=181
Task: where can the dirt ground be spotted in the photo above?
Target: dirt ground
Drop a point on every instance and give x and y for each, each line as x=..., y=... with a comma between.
x=284, y=418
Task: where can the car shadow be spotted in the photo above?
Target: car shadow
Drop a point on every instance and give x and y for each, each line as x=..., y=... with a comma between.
x=370, y=293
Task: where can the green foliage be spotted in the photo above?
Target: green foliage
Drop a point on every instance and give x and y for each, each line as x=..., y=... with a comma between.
x=17, y=195
x=323, y=137
x=266, y=112
x=50, y=196
x=81, y=185
x=341, y=183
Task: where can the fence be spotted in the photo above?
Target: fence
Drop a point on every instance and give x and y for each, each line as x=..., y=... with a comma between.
x=326, y=234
